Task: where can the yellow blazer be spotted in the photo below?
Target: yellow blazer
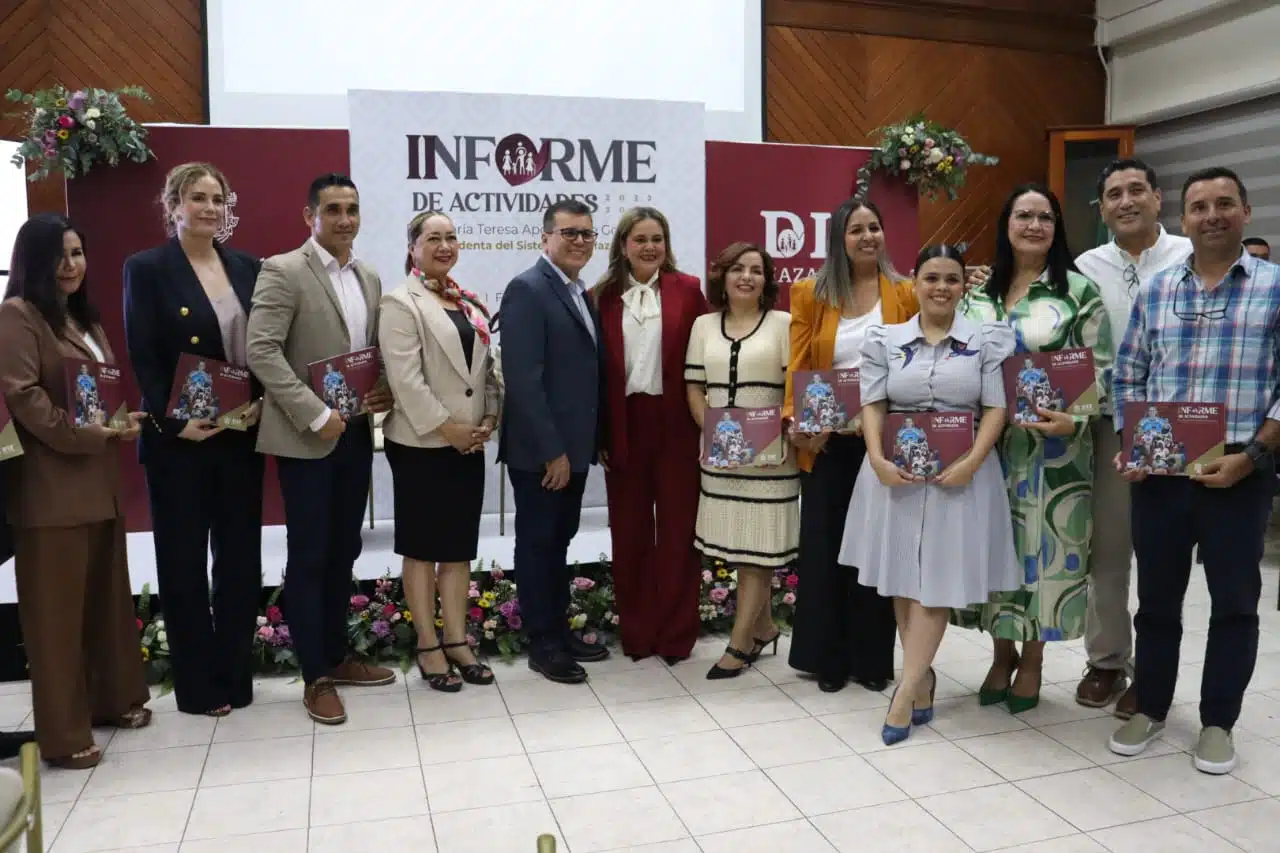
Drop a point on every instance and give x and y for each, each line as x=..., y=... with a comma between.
x=813, y=333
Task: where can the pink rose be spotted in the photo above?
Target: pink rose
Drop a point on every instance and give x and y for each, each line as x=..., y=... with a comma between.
x=793, y=580
x=788, y=598
x=274, y=616
x=589, y=637
x=359, y=602
x=719, y=594
x=584, y=583
x=266, y=632
x=475, y=614
x=496, y=574
x=66, y=122
x=388, y=609
x=706, y=576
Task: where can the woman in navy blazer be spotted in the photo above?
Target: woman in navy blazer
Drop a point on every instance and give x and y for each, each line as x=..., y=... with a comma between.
x=190, y=295
x=650, y=441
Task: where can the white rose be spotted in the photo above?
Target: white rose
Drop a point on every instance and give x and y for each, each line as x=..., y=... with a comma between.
x=162, y=637
x=935, y=155
x=159, y=624
x=90, y=124
x=262, y=620
x=92, y=112
x=904, y=165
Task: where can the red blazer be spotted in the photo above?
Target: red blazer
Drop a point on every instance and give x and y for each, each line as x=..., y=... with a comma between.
x=682, y=303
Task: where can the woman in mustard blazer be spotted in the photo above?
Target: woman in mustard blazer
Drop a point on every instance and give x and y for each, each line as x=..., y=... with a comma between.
x=841, y=630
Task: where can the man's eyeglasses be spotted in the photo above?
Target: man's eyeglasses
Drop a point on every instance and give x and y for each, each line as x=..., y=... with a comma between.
x=1193, y=316
x=575, y=234
x=1131, y=278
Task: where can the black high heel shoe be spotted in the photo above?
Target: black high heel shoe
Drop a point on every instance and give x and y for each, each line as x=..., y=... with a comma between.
x=445, y=682
x=472, y=673
x=761, y=645
x=718, y=672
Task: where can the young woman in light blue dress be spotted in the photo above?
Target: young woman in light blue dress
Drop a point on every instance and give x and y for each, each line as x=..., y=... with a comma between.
x=948, y=542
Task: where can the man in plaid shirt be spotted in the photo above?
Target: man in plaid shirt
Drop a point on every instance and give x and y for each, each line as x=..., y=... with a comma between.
x=1204, y=331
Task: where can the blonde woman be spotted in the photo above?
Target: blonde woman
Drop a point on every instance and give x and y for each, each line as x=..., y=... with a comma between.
x=435, y=344
x=647, y=310
x=192, y=295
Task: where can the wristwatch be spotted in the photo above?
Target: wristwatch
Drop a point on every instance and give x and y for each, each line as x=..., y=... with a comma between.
x=1257, y=452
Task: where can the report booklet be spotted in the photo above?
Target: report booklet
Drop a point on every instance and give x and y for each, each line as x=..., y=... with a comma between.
x=211, y=390
x=742, y=438
x=1173, y=438
x=826, y=400
x=924, y=443
x=1059, y=381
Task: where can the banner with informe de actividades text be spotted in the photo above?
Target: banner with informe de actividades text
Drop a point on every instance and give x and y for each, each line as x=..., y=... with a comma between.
x=494, y=163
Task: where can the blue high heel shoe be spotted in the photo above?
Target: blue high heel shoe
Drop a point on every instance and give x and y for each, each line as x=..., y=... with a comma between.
x=894, y=734
x=924, y=716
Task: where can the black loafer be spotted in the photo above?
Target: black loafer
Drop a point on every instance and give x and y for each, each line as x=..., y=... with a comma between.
x=832, y=683
x=557, y=667
x=586, y=652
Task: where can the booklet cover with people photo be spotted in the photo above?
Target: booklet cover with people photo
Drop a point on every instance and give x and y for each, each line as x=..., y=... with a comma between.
x=924, y=444
x=743, y=438
x=826, y=400
x=95, y=394
x=211, y=390
x=1059, y=381
x=1175, y=439
x=10, y=446
x=343, y=381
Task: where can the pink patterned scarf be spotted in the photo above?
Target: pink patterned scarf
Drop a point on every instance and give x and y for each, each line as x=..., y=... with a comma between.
x=472, y=308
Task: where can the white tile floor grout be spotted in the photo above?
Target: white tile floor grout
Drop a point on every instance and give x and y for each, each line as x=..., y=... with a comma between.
x=646, y=758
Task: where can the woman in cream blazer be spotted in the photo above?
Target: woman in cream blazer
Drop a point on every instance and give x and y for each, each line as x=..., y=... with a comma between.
x=842, y=630
x=435, y=345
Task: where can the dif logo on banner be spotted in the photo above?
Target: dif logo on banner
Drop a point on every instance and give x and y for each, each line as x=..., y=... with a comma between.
x=782, y=196
x=495, y=163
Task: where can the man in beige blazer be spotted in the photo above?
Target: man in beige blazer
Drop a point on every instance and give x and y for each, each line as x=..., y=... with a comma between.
x=313, y=303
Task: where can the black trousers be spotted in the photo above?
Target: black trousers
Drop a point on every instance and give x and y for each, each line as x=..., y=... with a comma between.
x=546, y=522
x=324, y=506
x=208, y=496
x=841, y=628
x=1170, y=516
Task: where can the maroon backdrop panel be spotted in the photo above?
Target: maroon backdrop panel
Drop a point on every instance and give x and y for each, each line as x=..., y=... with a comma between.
x=781, y=196
x=117, y=210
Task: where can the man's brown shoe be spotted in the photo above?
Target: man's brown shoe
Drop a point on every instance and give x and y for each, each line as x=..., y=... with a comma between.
x=359, y=674
x=1128, y=704
x=323, y=703
x=1100, y=686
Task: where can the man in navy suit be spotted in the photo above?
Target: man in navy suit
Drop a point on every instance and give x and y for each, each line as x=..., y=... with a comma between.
x=551, y=363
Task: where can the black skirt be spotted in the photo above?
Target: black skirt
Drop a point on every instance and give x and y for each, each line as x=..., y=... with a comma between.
x=439, y=494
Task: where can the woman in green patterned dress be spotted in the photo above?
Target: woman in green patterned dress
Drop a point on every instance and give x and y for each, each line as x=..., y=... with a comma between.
x=1048, y=466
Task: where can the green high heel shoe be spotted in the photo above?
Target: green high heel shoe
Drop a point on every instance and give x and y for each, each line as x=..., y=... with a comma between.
x=1021, y=704
x=988, y=696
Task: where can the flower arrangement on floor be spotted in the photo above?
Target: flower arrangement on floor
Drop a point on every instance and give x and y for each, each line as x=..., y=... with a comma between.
x=70, y=132
x=931, y=157
x=381, y=627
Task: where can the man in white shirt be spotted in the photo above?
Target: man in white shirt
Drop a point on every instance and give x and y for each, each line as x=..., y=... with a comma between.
x=1129, y=198
x=311, y=304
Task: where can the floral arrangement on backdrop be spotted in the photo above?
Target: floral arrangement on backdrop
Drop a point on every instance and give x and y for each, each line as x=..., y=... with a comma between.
x=381, y=627
x=69, y=132
x=931, y=157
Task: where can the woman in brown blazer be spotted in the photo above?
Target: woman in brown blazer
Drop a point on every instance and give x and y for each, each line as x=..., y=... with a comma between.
x=841, y=629
x=64, y=503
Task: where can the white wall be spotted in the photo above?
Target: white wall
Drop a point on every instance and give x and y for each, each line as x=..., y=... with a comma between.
x=1172, y=58
x=13, y=204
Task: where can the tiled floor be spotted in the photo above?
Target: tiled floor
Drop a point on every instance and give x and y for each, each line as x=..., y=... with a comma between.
x=647, y=758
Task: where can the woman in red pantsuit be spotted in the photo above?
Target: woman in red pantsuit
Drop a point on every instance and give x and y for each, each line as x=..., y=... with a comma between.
x=650, y=441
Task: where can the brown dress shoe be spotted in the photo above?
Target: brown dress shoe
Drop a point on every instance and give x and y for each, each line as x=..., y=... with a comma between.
x=359, y=674
x=1100, y=686
x=323, y=703
x=1128, y=704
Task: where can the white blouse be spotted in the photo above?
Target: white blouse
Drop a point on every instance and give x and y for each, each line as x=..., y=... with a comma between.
x=850, y=335
x=98, y=354
x=642, y=336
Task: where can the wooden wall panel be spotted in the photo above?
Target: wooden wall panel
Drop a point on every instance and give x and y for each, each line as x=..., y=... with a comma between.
x=155, y=44
x=826, y=83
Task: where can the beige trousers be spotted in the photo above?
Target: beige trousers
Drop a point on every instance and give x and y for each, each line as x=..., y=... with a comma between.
x=1109, y=627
